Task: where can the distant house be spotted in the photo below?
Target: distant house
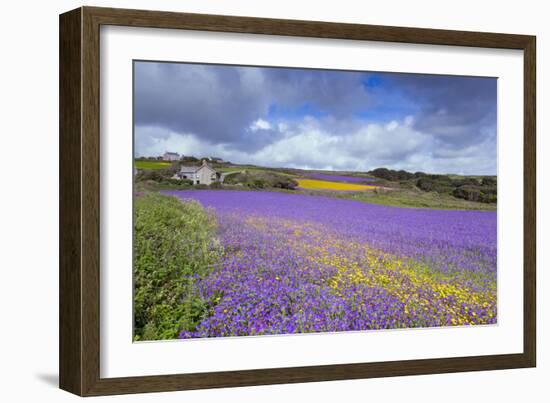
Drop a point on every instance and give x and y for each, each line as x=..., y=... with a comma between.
x=199, y=175
x=216, y=159
x=168, y=156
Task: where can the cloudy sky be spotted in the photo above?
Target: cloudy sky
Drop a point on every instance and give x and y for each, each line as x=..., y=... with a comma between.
x=317, y=119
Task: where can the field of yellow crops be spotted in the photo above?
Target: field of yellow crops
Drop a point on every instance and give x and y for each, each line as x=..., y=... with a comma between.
x=315, y=184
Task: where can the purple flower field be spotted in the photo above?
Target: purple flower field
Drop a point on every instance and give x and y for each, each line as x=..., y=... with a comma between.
x=339, y=178
x=297, y=263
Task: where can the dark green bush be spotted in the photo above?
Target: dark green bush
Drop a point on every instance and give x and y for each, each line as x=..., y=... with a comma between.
x=216, y=185
x=425, y=184
x=176, y=181
x=257, y=183
x=150, y=175
x=284, y=182
x=465, y=182
x=262, y=180
x=186, y=182
x=471, y=193
x=236, y=178
x=488, y=181
x=428, y=184
x=163, y=176
x=476, y=193
x=175, y=246
x=478, y=189
x=391, y=175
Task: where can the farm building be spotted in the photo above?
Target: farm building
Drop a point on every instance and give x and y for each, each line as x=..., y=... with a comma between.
x=168, y=156
x=199, y=175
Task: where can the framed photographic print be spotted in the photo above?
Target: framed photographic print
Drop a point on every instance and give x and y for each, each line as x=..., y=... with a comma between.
x=249, y=201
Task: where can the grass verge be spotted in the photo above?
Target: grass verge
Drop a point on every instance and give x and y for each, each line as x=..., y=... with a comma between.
x=175, y=246
x=417, y=199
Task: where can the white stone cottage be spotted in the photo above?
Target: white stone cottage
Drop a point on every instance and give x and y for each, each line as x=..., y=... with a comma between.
x=168, y=156
x=199, y=175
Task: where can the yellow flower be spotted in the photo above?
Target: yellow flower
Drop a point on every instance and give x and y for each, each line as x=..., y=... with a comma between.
x=327, y=185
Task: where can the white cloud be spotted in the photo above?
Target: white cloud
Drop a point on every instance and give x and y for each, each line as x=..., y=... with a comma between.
x=319, y=144
x=409, y=120
x=392, y=125
x=260, y=124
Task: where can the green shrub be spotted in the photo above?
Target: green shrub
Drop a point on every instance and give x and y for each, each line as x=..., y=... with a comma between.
x=186, y=182
x=429, y=184
x=150, y=175
x=164, y=175
x=176, y=182
x=235, y=178
x=174, y=247
x=471, y=193
x=465, y=182
x=479, y=189
x=216, y=185
x=487, y=194
x=258, y=183
x=284, y=182
x=391, y=175
x=488, y=181
x=262, y=180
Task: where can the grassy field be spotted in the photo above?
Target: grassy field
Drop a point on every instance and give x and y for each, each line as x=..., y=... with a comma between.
x=141, y=164
x=252, y=170
x=416, y=199
x=235, y=168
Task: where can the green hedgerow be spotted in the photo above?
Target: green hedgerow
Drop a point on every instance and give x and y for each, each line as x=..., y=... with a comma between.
x=175, y=246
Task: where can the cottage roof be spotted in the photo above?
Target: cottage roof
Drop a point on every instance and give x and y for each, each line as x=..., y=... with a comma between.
x=194, y=169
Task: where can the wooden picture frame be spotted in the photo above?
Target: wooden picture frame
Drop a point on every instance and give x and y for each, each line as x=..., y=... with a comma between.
x=79, y=346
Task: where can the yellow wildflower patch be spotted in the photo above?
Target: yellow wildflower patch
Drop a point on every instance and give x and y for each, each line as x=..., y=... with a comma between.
x=416, y=285
x=315, y=184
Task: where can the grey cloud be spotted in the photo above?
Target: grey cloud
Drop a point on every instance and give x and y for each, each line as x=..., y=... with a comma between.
x=454, y=109
x=212, y=102
x=218, y=103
